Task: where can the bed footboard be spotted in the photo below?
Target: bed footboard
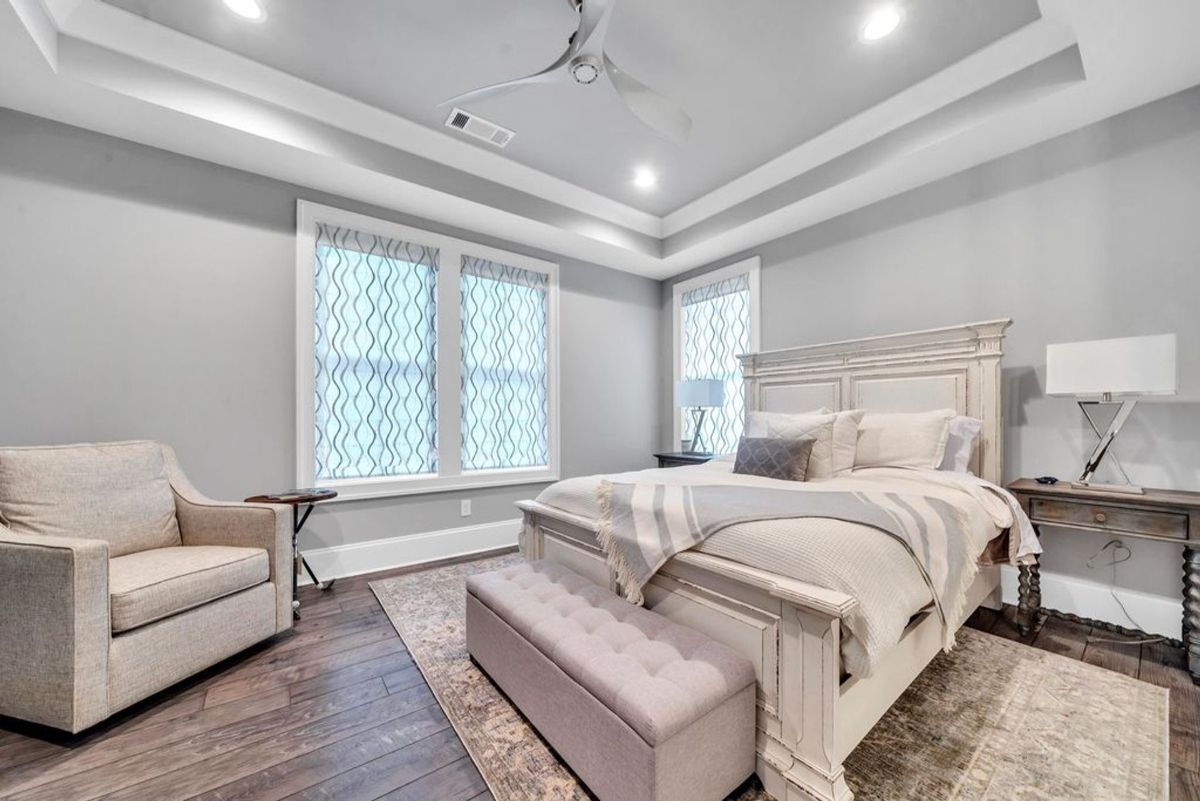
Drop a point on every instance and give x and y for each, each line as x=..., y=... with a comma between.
x=809, y=718
x=789, y=630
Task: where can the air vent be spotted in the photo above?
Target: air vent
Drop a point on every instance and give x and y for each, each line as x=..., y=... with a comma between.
x=479, y=128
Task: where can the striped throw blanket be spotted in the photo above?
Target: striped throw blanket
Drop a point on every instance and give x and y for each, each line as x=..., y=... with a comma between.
x=641, y=526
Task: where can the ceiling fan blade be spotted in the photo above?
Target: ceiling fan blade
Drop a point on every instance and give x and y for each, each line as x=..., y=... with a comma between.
x=594, y=16
x=657, y=111
x=552, y=74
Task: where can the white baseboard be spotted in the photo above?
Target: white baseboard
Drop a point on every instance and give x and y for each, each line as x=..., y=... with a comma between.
x=1156, y=614
x=357, y=558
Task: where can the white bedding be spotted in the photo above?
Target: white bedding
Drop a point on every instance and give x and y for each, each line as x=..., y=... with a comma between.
x=861, y=561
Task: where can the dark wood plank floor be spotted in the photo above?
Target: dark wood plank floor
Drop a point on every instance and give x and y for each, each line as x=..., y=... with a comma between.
x=336, y=710
x=1153, y=662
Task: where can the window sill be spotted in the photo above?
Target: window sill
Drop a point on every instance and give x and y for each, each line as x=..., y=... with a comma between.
x=391, y=486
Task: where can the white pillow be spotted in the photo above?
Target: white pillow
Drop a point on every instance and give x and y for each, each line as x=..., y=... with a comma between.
x=963, y=434
x=916, y=439
x=845, y=440
x=836, y=435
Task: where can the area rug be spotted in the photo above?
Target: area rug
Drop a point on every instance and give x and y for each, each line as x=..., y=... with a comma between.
x=991, y=721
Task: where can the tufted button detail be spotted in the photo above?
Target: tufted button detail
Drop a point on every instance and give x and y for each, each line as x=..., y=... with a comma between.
x=656, y=675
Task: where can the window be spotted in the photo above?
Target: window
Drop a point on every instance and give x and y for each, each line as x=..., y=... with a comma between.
x=375, y=366
x=424, y=362
x=715, y=318
x=505, y=383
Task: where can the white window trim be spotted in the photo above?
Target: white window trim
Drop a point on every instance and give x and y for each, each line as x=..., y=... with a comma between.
x=450, y=251
x=751, y=268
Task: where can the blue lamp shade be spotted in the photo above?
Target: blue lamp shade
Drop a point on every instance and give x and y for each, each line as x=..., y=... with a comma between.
x=699, y=393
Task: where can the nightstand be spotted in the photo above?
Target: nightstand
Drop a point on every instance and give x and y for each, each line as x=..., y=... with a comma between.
x=1170, y=515
x=680, y=458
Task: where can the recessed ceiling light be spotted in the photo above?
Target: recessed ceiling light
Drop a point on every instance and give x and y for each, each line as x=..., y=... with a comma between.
x=881, y=23
x=644, y=178
x=250, y=9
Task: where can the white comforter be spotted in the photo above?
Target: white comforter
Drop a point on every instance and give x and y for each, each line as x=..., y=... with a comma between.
x=861, y=561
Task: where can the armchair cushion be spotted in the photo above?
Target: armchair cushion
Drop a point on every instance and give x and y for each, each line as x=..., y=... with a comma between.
x=203, y=521
x=117, y=492
x=150, y=585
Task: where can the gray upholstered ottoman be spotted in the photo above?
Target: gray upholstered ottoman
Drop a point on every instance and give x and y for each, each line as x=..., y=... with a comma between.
x=641, y=708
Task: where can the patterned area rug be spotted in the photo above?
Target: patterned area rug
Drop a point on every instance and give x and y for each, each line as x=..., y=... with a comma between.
x=992, y=721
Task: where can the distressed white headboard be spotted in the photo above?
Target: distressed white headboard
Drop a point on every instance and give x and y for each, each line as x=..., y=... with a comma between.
x=955, y=367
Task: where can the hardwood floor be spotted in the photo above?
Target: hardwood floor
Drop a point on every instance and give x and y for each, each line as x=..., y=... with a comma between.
x=1153, y=662
x=336, y=709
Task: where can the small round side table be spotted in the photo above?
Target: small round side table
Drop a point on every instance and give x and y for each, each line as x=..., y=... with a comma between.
x=308, y=498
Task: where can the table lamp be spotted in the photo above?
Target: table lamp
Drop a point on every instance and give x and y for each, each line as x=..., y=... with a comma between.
x=1097, y=371
x=699, y=395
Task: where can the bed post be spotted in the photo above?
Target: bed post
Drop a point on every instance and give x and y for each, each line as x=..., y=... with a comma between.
x=989, y=404
x=529, y=540
x=806, y=764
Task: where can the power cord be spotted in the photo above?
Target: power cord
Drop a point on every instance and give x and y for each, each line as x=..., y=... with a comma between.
x=1121, y=553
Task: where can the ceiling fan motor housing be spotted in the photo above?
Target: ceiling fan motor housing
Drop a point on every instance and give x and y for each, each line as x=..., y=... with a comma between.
x=585, y=69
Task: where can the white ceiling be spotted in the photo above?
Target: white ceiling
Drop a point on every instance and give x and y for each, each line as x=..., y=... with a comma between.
x=757, y=76
x=90, y=64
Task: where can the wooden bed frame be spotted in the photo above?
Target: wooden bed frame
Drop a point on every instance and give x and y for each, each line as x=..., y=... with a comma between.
x=810, y=715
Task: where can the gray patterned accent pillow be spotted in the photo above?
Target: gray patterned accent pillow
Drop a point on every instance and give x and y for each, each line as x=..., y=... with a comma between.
x=772, y=457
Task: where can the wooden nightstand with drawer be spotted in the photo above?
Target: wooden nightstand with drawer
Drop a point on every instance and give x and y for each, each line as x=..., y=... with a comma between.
x=1169, y=515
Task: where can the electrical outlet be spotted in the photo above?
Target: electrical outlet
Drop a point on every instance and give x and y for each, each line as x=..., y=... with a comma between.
x=464, y=508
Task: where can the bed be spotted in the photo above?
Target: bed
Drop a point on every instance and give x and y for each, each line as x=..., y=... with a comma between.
x=819, y=692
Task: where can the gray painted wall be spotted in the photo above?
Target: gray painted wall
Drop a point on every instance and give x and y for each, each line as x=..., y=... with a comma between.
x=1091, y=235
x=144, y=294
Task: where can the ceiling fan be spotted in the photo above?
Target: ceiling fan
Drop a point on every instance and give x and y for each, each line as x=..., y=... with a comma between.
x=584, y=62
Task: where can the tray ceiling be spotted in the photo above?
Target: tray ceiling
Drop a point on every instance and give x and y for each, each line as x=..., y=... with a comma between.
x=796, y=120
x=757, y=76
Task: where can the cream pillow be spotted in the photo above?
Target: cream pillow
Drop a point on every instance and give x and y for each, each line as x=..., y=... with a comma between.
x=963, y=434
x=114, y=491
x=834, y=434
x=845, y=440
x=915, y=439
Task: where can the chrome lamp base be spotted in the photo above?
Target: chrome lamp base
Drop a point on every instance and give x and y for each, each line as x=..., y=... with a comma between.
x=697, y=445
x=1107, y=437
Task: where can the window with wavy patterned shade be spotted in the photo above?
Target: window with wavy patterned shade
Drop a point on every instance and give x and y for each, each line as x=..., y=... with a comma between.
x=375, y=363
x=504, y=372
x=424, y=362
x=715, y=324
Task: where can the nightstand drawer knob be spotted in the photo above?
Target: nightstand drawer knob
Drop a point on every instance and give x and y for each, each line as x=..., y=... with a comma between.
x=1101, y=517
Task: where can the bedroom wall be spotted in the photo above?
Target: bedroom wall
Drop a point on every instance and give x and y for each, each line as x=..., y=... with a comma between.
x=1091, y=235
x=148, y=295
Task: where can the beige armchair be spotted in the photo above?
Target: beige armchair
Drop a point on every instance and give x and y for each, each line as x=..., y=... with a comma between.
x=118, y=579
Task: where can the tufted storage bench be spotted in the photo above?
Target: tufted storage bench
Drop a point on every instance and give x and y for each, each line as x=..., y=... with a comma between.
x=641, y=708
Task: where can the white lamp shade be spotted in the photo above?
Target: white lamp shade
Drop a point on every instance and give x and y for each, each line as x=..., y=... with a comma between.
x=1126, y=366
x=699, y=392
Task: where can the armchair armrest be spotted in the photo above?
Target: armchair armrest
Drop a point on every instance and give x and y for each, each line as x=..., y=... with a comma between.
x=203, y=521
x=54, y=629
